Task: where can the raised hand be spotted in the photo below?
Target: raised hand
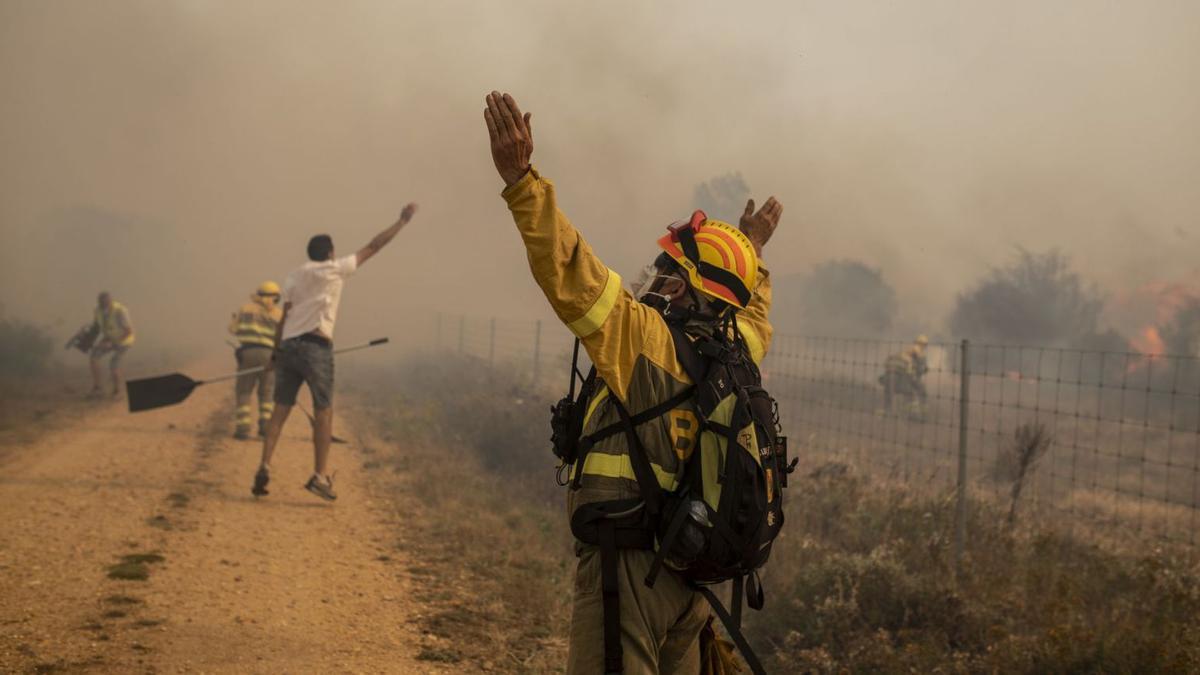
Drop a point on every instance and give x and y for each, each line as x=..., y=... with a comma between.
x=406, y=214
x=758, y=227
x=511, y=135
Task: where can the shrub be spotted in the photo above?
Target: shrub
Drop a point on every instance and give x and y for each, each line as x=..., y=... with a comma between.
x=861, y=581
x=24, y=348
x=839, y=298
x=1036, y=299
x=723, y=197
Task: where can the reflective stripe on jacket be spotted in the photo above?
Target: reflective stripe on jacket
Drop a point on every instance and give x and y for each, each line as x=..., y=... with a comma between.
x=255, y=324
x=629, y=343
x=113, y=323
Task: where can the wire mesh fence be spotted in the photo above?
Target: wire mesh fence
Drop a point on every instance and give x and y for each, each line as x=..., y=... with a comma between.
x=1105, y=442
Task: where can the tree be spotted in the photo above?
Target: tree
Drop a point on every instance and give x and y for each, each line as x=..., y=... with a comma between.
x=24, y=348
x=723, y=198
x=839, y=298
x=1037, y=299
x=1181, y=332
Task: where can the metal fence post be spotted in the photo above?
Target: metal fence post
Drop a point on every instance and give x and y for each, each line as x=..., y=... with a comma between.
x=960, y=515
x=492, y=343
x=537, y=349
x=462, y=328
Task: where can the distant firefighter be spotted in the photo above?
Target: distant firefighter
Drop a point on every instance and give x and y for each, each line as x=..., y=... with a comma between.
x=903, y=379
x=255, y=324
x=110, y=333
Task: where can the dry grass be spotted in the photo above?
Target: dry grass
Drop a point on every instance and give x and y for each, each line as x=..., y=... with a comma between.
x=494, y=558
x=33, y=405
x=860, y=581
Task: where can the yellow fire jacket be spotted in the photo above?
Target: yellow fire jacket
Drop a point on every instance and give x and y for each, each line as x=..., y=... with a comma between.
x=255, y=324
x=112, y=324
x=628, y=342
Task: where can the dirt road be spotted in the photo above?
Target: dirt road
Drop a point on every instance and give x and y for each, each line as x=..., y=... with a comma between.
x=286, y=584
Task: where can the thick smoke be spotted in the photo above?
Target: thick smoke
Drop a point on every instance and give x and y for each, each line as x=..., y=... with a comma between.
x=723, y=198
x=1037, y=299
x=179, y=153
x=839, y=298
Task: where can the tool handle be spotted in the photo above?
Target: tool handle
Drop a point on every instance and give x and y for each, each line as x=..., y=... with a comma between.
x=259, y=369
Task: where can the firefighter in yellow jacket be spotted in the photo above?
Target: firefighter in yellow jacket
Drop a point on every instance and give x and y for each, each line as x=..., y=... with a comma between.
x=254, y=325
x=630, y=344
x=904, y=378
x=114, y=329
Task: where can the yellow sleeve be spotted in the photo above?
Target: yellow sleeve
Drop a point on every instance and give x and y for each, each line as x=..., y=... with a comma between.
x=585, y=294
x=753, y=322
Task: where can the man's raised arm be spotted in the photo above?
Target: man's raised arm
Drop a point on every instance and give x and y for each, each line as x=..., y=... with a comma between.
x=387, y=235
x=753, y=321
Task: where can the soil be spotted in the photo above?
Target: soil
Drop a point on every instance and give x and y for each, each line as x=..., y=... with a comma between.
x=131, y=543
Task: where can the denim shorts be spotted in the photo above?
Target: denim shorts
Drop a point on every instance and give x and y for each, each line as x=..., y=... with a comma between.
x=303, y=359
x=118, y=353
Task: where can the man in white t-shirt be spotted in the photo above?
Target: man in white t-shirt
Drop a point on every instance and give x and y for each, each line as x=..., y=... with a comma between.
x=304, y=351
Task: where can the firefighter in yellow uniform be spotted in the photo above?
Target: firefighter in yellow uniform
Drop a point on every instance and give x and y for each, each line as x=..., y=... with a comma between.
x=904, y=378
x=114, y=328
x=630, y=344
x=254, y=325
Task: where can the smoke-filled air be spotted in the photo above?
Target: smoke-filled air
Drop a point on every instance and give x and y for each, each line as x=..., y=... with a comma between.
x=931, y=264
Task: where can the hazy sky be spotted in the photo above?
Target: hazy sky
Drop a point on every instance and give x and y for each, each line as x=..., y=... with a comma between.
x=177, y=153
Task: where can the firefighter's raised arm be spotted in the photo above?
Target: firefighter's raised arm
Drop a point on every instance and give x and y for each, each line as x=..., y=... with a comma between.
x=511, y=135
x=759, y=226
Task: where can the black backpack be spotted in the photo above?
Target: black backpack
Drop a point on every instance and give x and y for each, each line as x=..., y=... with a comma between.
x=716, y=526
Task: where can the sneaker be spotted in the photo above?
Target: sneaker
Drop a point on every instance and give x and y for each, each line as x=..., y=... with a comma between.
x=321, y=487
x=261, y=478
x=241, y=434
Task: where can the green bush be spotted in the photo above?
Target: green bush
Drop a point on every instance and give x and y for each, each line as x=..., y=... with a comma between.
x=24, y=348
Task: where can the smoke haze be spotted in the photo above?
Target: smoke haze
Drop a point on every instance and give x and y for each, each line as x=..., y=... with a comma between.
x=178, y=153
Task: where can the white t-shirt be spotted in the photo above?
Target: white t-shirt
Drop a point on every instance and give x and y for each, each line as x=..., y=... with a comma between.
x=314, y=290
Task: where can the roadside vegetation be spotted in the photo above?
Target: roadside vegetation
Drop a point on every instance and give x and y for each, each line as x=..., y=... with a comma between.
x=861, y=580
x=35, y=389
x=494, y=564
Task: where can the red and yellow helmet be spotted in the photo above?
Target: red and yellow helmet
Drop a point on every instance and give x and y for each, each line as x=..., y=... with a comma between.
x=719, y=259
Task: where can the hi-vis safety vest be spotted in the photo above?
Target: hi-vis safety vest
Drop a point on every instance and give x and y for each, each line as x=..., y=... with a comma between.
x=255, y=324
x=113, y=323
x=629, y=343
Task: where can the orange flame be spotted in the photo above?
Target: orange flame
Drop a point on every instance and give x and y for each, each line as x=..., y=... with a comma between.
x=1165, y=299
x=1148, y=342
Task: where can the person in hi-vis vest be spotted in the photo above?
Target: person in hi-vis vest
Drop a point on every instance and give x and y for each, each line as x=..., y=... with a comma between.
x=254, y=325
x=116, y=337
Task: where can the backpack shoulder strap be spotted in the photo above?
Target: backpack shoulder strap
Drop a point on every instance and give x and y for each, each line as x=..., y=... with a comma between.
x=732, y=623
x=651, y=491
x=688, y=356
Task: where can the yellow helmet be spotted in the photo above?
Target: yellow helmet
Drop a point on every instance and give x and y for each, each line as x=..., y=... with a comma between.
x=719, y=259
x=269, y=288
x=922, y=340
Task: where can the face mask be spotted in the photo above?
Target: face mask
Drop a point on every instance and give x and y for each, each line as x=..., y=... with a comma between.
x=644, y=278
x=646, y=293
